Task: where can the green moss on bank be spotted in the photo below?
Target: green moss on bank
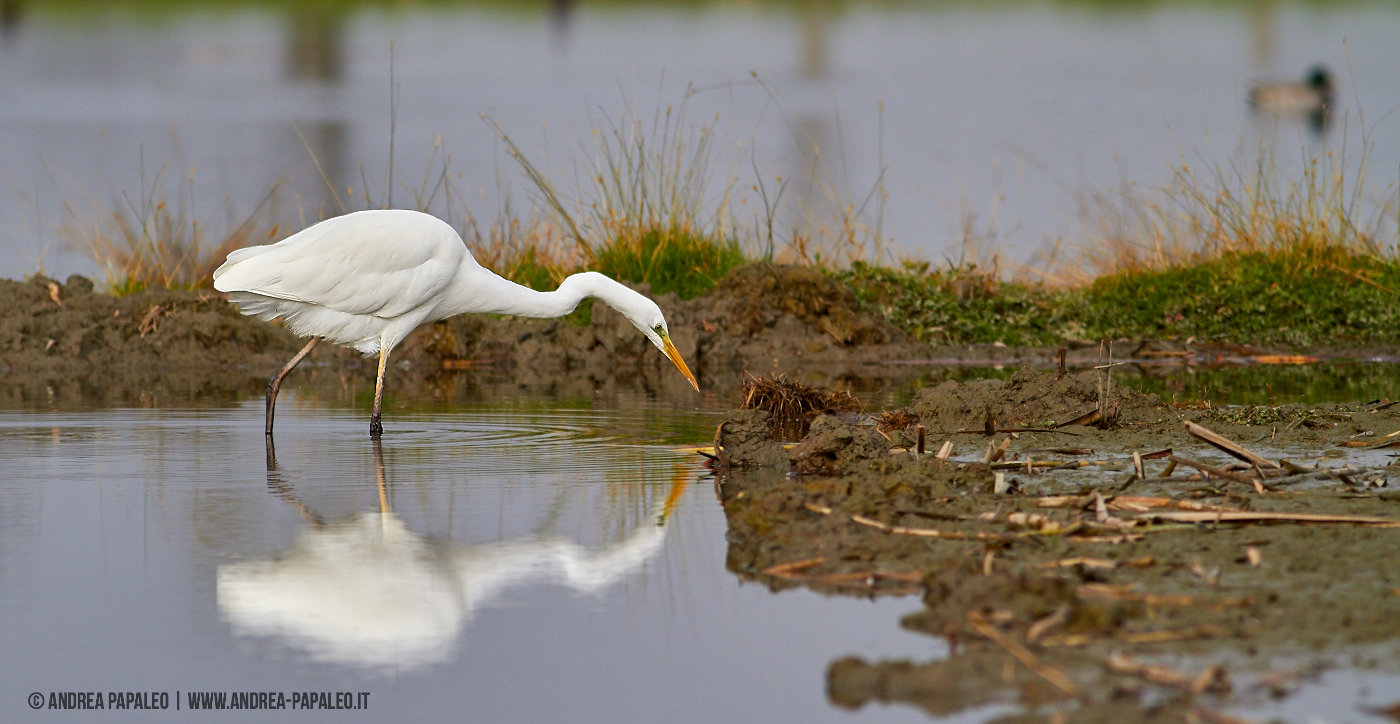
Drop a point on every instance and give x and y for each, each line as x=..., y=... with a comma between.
x=1297, y=297
x=960, y=305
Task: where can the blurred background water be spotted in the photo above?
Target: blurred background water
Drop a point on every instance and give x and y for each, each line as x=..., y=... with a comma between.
x=993, y=123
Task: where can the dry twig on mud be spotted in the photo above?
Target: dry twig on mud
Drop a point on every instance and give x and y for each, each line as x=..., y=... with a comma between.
x=926, y=532
x=1228, y=446
x=1211, y=470
x=1246, y=516
x=1121, y=502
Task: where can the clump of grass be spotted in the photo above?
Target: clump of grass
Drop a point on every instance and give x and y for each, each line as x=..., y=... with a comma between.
x=147, y=244
x=793, y=405
x=1240, y=255
x=1235, y=255
x=640, y=206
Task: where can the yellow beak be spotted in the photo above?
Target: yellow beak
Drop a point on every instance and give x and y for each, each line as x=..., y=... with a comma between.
x=675, y=356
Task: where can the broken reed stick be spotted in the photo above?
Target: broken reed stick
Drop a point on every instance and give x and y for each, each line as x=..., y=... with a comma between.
x=1122, y=502
x=1045, y=625
x=945, y=451
x=920, y=432
x=1028, y=463
x=1228, y=446
x=926, y=532
x=1137, y=465
x=1022, y=654
x=1211, y=470
x=995, y=454
x=1248, y=516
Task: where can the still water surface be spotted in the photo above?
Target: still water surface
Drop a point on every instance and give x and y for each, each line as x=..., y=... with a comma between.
x=541, y=563
x=519, y=574
x=1003, y=114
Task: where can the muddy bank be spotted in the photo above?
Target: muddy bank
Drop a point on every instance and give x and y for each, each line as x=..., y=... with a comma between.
x=61, y=343
x=62, y=338
x=1093, y=569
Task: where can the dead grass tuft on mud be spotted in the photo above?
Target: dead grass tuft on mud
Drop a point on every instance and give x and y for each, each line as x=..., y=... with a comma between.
x=793, y=405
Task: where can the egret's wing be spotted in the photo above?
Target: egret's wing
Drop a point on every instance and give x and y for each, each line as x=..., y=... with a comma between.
x=381, y=263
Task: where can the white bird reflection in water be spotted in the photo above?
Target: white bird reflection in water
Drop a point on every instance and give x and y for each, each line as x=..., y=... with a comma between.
x=369, y=592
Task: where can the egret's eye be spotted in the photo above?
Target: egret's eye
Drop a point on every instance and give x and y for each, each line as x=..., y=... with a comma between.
x=658, y=329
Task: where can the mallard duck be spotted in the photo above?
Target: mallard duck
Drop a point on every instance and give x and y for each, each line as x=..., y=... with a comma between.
x=1313, y=95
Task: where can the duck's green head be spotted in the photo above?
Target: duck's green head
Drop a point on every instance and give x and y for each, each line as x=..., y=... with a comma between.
x=1320, y=78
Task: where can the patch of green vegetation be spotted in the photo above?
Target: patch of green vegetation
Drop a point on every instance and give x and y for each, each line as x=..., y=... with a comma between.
x=127, y=287
x=1295, y=296
x=959, y=305
x=670, y=261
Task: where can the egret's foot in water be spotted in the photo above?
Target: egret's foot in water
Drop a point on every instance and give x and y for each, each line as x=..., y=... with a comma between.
x=375, y=428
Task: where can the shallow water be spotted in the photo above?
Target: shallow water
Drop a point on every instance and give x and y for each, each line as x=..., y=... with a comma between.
x=516, y=568
x=1007, y=114
x=520, y=575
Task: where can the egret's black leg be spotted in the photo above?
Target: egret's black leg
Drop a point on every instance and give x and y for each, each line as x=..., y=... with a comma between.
x=271, y=455
x=276, y=382
x=375, y=427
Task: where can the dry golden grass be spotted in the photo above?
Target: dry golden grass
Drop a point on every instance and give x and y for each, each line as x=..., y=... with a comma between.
x=1311, y=216
x=149, y=244
x=652, y=200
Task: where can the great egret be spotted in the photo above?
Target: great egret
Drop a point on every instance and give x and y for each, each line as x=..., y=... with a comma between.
x=367, y=279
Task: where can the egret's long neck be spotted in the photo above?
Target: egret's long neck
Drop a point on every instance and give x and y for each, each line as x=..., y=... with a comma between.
x=481, y=291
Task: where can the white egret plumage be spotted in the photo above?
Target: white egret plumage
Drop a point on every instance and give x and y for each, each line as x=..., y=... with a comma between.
x=368, y=279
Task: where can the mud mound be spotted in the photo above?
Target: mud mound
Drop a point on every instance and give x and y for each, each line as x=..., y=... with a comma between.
x=52, y=333
x=833, y=447
x=760, y=318
x=1029, y=399
x=753, y=297
x=744, y=440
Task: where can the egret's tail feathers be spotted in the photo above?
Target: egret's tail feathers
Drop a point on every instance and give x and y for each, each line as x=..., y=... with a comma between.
x=256, y=305
x=234, y=258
